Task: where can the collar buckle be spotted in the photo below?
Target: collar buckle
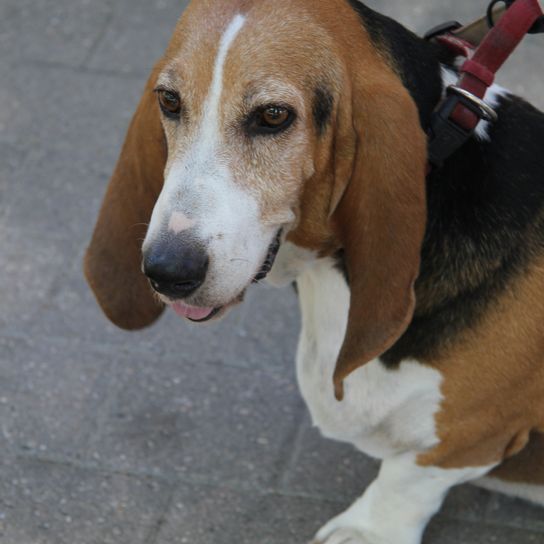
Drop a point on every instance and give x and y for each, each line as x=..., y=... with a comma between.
x=445, y=135
x=481, y=108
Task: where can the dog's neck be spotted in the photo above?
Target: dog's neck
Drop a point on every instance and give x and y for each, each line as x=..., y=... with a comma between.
x=484, y=205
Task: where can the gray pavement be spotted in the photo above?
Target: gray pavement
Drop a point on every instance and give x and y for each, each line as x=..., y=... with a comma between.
x=178, y=434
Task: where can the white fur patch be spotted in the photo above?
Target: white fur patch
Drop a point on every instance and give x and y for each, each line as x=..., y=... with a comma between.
x=397, y=506
x=210, y=127
x=289, y=264
x=492, y=98
x=384, y=412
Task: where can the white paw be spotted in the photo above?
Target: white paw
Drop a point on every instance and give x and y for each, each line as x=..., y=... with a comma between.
x=345, y=536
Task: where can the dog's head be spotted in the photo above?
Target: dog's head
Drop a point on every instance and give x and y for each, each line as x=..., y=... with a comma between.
x=261, y=118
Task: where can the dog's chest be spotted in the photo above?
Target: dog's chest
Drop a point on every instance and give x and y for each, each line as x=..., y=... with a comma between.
x=384, y=411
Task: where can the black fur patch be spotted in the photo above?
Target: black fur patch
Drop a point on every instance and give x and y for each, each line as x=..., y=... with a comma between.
x=340, y=263
x=485, y=209
x=416, y=60
x=322, y=108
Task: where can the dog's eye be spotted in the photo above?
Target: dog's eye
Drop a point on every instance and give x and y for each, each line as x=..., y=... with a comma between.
x=275, y=117
x=271, y=119
x=170, y=103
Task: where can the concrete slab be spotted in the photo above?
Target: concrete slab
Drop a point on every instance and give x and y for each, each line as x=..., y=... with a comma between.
x=71, y=125
x=448, y=532
x=11, y=158
x=52, y=397
x=129, y=45
x=325, y=469
x=30, y=263
x=199, y=420
x=52, y=31
x=50, y=503
x=515, y=513
x=211, y=515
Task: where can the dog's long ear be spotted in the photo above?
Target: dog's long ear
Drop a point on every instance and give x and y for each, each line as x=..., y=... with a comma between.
x=113, y=260
x=380, y=219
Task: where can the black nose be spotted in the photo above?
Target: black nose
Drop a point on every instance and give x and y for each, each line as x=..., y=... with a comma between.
x=174, y=268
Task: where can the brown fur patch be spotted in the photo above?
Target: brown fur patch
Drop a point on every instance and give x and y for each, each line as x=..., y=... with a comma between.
x=113, y=259
x=493, y=380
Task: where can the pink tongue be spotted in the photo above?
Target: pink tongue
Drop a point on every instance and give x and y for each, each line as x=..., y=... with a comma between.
x=191, y=312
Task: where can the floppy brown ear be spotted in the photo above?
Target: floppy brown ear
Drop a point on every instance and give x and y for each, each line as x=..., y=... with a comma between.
x=113, y=259
x=380, y=220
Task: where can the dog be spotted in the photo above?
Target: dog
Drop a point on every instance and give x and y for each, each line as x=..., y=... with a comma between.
x=293, y=133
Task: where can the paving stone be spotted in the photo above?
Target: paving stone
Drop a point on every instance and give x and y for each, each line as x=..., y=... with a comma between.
x=199, y=421
x=466, y=503
x=29, y=265
x=128, y=44
x=326, y=469
x=51, y=30
x=214, y=515
x=50, y=396
x=11, y=159
x=448, y=532
x=264, y=330
x=70, y=155
x=515, y=513
x=48, y=503
x=49, y=107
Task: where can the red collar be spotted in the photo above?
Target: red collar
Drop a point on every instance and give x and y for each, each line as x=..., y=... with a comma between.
x=458, y=115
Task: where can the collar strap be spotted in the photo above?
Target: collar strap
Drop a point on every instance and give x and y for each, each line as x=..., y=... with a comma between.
x=472, y=33
x=458, y=115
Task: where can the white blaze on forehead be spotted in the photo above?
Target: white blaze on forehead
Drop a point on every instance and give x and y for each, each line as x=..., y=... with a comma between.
x=210, y=122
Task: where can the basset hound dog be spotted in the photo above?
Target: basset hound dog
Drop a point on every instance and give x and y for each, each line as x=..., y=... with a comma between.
x=293, y=133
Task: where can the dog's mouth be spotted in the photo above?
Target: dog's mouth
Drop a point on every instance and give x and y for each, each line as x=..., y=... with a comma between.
x=195, y=313
x=270, y=259
x=198, y=314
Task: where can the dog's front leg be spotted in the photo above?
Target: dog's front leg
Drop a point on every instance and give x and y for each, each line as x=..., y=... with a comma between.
x=397, y=506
